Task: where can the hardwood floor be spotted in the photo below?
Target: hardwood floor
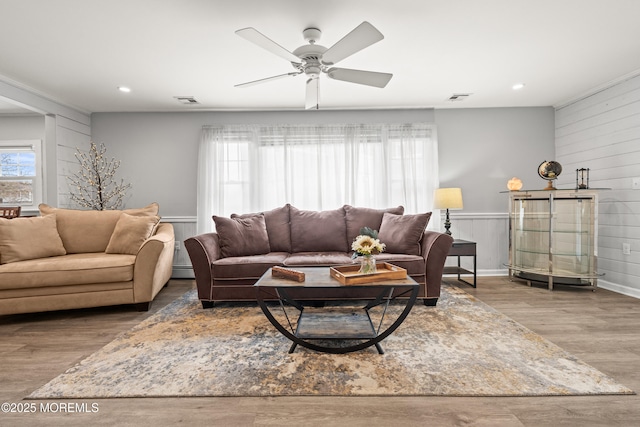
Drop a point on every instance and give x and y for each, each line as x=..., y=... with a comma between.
x=602, y=328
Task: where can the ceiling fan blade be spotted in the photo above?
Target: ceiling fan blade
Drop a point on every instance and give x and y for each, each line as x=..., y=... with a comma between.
x=369, y=78
x=267, y=79
x=254, y=36
x=362, y=36
x=313, y=94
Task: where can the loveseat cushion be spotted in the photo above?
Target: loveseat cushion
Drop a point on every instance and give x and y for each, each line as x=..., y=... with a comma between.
x=29, y=238
x=130, y=233
x=88, y=230
x=246, y=267
x=74, y=269
x=402, y=233
x=357, y=218
x=318, y=231
x=278, y=229
x=242, y=236
x=317, y=259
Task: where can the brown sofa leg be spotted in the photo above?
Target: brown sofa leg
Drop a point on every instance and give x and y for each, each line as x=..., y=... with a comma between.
x=207, y=304
x=431, y=302
x=143, y=306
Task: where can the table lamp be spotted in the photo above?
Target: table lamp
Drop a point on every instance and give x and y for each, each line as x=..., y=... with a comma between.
x=447, y=198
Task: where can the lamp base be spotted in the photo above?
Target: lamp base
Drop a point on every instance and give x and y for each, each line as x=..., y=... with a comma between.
x=447, y=224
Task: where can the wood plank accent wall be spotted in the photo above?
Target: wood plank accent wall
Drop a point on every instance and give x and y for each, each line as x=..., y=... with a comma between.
x=602, y=132
x=69, y=136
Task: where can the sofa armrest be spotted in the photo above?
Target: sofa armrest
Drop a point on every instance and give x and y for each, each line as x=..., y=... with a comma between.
x=435, y=249
x=203, y=249
x=154, y=264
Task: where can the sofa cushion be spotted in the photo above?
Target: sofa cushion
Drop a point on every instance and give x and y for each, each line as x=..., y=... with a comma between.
x=278, y=227
x=402, y=233
x=317, y=259
x=242, y=236
x=318, y=231
x=67, y=270
x=130, y=233
x=29, y=238
x=246, y=267
x=88, y=230
x=414, y=264
x=357, y=218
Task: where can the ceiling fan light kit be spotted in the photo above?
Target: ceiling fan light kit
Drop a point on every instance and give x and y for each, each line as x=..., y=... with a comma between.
x=313, y=60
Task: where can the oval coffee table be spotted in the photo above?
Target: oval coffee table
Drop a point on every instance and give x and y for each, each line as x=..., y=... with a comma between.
x=313, y=326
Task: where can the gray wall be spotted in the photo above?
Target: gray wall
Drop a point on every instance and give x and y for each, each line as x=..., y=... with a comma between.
x=21, y=127
x=480, y=149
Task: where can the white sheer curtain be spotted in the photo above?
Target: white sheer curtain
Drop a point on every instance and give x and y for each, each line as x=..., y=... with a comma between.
x=256, y=167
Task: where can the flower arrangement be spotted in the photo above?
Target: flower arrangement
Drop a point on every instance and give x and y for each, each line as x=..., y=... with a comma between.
x=367, y=243
x=365, y=246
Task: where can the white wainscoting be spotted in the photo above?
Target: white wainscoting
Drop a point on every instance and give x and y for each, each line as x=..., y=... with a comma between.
x=184, y=227
x=488, y=230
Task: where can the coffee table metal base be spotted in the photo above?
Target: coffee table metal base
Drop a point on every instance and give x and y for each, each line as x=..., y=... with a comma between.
x=337, y=323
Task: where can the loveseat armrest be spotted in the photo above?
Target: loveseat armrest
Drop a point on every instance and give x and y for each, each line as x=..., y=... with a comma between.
x=435, y=249
x=154, y=264
x=203, y=250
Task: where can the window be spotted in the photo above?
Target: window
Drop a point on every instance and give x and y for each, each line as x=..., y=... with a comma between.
x=20, y=173
x=254, y=168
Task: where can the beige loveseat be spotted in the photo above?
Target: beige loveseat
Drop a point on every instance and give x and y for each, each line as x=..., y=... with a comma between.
x=68, y=258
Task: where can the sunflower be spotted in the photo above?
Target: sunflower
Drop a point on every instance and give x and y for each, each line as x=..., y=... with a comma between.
x=367, y=245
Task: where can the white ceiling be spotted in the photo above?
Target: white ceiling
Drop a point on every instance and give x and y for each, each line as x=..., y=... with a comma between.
x=78, y=52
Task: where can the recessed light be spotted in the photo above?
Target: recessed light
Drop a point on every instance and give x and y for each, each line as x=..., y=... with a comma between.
x=517, y=86
x=124, y=89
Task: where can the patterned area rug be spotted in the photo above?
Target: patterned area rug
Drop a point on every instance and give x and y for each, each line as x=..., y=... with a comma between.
x=462, y=347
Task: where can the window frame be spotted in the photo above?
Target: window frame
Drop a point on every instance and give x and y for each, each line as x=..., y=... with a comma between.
x=34, y=145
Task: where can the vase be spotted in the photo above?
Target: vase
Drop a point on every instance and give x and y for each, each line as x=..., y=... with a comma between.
x=367, y=264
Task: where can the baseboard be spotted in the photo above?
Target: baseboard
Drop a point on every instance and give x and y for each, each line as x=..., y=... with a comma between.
x=498, y=272
x=621, y=289
x=182, y=272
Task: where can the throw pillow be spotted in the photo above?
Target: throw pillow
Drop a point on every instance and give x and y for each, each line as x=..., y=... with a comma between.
x=357, y=218
x=278, y=227
x=318, y=231
x=402, y=233
x=84, y=231
x=130, y=233
x=29, y=238
x=242, y=236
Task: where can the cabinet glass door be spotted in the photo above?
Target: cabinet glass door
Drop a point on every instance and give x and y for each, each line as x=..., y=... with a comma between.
x=572, y=245
x=530, y=229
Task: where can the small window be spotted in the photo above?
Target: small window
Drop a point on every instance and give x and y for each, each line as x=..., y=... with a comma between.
x=20, y=176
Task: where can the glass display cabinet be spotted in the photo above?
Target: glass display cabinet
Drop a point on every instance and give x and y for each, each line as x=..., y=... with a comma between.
x=553, y=237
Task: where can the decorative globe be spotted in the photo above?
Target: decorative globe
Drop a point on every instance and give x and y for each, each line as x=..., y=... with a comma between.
x=549, y=170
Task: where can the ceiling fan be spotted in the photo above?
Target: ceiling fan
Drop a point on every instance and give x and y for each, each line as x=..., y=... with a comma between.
x=312, y=59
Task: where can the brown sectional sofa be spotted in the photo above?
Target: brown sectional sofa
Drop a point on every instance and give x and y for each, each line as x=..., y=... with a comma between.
x=228, y=262
x=69, y=258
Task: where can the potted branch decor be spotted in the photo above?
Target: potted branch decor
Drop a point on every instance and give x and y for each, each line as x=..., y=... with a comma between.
x=94, y=186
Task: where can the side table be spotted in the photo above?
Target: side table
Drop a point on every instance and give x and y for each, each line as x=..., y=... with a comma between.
x=462, y=248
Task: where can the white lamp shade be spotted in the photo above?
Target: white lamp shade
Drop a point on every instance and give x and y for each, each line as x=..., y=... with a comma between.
x=448, y=198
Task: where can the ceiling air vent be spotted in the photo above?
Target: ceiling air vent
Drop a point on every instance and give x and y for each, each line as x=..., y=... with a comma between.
x=459, y=97
x=189, y=100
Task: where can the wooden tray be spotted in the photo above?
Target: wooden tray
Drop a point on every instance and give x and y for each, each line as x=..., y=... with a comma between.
x=348, y=274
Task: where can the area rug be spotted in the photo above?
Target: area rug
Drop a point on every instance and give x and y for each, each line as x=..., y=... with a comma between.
x=462, y=347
